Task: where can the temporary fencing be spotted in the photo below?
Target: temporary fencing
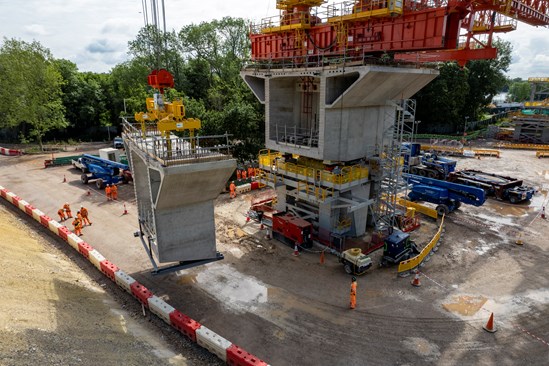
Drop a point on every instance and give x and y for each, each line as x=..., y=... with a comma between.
x=205, y=337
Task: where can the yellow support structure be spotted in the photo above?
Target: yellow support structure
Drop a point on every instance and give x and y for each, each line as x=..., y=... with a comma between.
x=448, y=149
x=485, y=152
x=503, y=145
x=542, y=154
x=427, y=211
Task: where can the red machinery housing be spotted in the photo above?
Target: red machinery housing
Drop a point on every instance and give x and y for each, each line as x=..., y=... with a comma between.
x=292, y=230
x=413, y=30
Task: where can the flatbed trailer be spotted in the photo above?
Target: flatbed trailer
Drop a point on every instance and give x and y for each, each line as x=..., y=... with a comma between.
x=499, y=186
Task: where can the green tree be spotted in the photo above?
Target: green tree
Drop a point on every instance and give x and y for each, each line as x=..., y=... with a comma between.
x=519, y=91
x=30, y=89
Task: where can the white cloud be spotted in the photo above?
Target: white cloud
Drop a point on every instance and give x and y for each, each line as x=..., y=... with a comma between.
x=35, y=30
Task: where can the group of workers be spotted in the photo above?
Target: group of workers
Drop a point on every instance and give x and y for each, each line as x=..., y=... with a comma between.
x=245, y=173
x=111, y=190
x=79, y=221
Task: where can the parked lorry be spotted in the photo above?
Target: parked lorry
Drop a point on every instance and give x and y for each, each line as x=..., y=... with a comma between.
x=447, y=196
x=103, y=171
x=499, y=186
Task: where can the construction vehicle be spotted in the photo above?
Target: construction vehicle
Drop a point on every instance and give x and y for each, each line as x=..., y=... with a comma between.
x=499, y=186
x=447, y=196
x=292, y=230
x=426, y=165
x=354, y=261
x=104, y=171
x=397, y=248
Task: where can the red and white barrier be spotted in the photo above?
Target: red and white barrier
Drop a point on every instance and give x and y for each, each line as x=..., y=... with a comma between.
x=205, y=337
x=10, y=152
x=161, y=308
x=213, y=342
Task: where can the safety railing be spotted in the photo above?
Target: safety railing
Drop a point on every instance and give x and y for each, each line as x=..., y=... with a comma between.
x=312, y=191
x=175, y=150
x=502, y=145
x=406, y=266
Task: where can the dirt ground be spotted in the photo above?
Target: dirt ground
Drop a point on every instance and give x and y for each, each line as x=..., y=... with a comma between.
x=294, y=311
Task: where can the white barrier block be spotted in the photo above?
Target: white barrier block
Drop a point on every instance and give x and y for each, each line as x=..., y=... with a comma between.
x=9, y=196
x=160, y=308
x=123, y=280
x=213, y=342
x=36, y=213
x=74, y=240
x=244, y=188
x=96, y=258
x=22, y=205
x=2, y=187
x=54, y=226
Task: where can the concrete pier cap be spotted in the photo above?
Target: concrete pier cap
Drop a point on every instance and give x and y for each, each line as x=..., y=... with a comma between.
x=332, y=113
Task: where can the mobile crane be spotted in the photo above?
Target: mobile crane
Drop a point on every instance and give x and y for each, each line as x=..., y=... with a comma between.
x=446, y=195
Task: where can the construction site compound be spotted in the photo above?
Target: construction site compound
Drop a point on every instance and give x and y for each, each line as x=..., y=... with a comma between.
x=202, y=260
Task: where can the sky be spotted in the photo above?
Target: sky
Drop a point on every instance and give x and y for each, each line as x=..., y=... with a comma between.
x=94, y=34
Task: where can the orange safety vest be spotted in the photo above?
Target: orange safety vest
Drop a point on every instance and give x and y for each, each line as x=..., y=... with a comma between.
x=114, y=189
x=108, y=190
x=84, y=212
x=67, y=207
x=232, y=187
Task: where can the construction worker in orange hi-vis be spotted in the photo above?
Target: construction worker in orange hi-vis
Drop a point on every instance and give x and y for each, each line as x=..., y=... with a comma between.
x=353, y=293
x=244, y=174
x=238, y=174
x=77, y=224
x=114, y=192
x=108, y=192
x=250, y=172
x=84, y=213
x=232, y=188
x=61, y=213
x=67, y=210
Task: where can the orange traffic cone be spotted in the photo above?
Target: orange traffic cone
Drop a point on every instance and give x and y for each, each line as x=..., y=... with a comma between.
x=64, y=178
x=125, y=211
x=88, y=193
x=261, y=227
x=296, y=251
x=247, y=218
x=490, y=326
x=268, y=234
x=543, y=212
x=415, y=281
x=322, y=257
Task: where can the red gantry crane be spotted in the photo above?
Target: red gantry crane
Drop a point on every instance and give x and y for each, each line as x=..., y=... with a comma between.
x=306, y=32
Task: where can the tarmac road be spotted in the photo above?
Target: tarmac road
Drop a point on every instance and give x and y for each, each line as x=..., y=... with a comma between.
x=294, y=311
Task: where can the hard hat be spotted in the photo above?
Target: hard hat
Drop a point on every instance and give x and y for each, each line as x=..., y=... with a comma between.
x=66, y=203
x=353, y=279
x=81, y=206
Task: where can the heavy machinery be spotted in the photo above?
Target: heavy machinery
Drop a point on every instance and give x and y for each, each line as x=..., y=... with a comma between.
x=354, y=261
x=499, y=186
x=103, y=171
x=420, y=31
x=292, y=230
x=397, y=248
x=426, y=165
x=446, y=195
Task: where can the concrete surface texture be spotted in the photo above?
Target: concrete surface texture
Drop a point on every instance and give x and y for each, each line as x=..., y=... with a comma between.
x=175, y=204
x=332, y=114
x=291, y=310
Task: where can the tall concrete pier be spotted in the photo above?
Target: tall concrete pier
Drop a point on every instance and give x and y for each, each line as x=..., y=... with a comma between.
x=336, y=120
x=176, y=181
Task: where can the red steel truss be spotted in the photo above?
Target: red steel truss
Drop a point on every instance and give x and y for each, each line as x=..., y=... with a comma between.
x=423, y=31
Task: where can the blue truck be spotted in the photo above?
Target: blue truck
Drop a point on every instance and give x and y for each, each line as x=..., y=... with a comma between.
x=103, y=171
x=446, y=195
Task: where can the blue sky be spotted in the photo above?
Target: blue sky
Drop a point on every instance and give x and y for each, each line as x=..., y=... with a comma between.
x=94, y=33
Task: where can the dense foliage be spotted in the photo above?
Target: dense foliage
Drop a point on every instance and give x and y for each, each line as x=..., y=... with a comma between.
x=46, y=98
x=460, y=94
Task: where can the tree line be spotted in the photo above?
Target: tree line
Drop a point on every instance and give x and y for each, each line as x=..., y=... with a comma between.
x=43, y=98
